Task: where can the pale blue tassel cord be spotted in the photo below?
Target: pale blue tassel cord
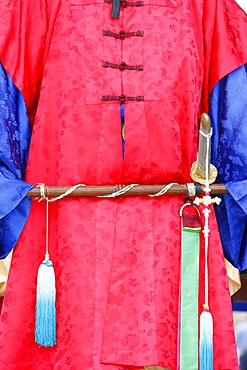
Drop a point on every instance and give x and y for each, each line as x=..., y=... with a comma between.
x=45, y=325
x=206, y=341
x=45, y=331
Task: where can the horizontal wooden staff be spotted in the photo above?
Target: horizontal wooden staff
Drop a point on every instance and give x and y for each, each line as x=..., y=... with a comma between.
x=103, y=190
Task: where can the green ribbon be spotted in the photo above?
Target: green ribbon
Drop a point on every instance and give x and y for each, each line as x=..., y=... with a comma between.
x=189, y=293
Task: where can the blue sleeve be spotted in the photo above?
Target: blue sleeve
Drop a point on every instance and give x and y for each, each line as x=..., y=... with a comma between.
x=228, y=112
x=15, y=134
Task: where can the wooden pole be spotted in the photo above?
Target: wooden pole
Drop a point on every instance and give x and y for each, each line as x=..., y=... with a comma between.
x=102, y=190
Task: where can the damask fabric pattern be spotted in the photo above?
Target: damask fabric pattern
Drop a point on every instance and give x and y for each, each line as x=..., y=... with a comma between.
x=116, y=260
x=229, y=118
x=14, y=145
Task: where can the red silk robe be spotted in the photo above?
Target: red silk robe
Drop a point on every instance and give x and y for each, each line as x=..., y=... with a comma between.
x=116, y=261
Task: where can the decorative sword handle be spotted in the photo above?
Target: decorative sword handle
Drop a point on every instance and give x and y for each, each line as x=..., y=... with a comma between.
x=205, y=134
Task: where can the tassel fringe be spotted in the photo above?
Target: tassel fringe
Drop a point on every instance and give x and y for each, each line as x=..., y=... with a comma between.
x=45, y=326
x=206, y=340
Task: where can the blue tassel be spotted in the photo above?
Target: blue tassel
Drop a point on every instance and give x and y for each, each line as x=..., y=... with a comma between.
x=45, y=326
x=206, y=340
